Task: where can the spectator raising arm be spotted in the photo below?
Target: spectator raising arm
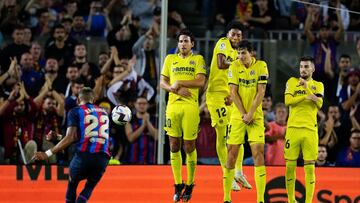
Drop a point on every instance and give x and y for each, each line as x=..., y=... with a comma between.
x=354, y=122
x=328, y=66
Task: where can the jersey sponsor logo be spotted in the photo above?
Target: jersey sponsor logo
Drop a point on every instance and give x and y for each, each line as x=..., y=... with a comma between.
x=183, y=69
x=300, y=92
x=222, y=46
x=247, y=82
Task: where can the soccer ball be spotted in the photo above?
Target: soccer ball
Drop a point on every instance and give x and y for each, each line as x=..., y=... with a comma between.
x=121, y=114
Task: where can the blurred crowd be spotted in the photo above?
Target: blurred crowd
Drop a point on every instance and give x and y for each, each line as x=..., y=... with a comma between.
x=41, y=79
x=259, y=16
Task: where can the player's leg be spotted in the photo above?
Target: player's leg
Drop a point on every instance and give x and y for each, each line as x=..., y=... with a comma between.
x=239, y=175
x=292, y=150
x=98, y=164
x=310, y=153
x=221, y=144
x=220, y=115
x=257, y=150
x=190, y=126
x=176, y=164
x=235, y=139
x=229, y=172
x=191, y=160
x=173, y=120
x=75, y=171
x=256, y=139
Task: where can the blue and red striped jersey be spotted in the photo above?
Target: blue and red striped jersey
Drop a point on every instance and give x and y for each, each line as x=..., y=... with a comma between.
x=93, y=128
x=142, y=150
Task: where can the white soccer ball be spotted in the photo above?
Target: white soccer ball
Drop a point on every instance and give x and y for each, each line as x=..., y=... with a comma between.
x=121, y=114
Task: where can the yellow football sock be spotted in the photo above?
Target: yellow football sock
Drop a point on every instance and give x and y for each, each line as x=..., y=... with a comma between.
x=239, y=161
x=176, y=164
x=221, y=145
x=290, y=178
x=191, y=159
x=227, y=181
x=309, y=181
x=260, y=181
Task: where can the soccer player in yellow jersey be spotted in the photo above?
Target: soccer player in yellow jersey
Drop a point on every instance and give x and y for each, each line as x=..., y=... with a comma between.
x=303, y=96
x=182, y=76
x=218, y=97
x=247, y=80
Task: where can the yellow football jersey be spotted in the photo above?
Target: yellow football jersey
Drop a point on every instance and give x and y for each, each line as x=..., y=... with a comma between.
x=178, y=68
x=303, y=114
x=218, y=78
x=247, y=80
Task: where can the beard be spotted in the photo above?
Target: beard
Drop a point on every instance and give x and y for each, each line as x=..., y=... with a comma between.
x=60, y=38
x=52, y=71
x=305, y=77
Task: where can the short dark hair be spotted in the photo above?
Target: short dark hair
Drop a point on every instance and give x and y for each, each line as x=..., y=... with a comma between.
x=58, y=26
x=345, y=56
x=355, y=130
x=80, y=44
x=307, y=58
x=245, y=44
x=234, y=25
x=79, y=81
x=78, y=13
x=72, y=65
x=187, y=33
x=103, y=53
x=18, y=27
x=322, y=145
x=40, y=11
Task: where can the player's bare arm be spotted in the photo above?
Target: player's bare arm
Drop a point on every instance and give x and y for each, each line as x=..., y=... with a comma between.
x=198, y=82
x=257, y=101
x=228, y=100
x=165, y=84
x=223, y=62
x=236, y=98
x=71, y=136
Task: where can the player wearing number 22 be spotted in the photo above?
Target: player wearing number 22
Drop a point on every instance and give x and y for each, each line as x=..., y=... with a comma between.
x=88, y=126
x=304, y=97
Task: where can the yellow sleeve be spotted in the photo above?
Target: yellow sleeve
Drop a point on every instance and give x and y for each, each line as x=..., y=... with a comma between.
x=166, y=67
x=319, y=90
x=222, y=47
x=320, y=94
x=263, y=73
x=200, y=67
x=232, y=74
x=290, y=92
x=289, y=89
